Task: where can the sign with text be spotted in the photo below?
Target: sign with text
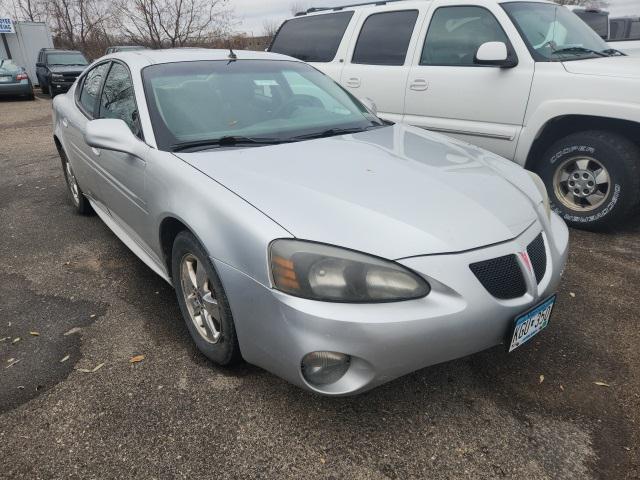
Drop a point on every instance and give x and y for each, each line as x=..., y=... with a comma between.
x=6, y=25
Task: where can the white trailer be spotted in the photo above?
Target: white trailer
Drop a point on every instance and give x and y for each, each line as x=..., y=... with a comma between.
x=24, y=44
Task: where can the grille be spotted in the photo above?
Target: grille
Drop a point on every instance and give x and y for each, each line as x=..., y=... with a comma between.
x=502, y=277
x=538, y=257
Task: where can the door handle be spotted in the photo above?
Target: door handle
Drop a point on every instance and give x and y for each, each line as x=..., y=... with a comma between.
x=95, y=151
x=353, y=82
x=65, y=122
x=419, y=85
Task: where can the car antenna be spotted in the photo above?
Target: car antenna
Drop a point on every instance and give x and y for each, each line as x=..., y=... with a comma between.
x=232, y=55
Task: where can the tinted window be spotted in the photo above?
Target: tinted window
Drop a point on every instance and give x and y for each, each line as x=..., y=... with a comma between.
x=118, y=99
x=66, y=59
x=456, y=33
x=384, y=38
x=91, y=88
x=312, y=39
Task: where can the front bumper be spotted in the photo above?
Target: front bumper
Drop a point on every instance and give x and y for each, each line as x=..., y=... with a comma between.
x=459, y=317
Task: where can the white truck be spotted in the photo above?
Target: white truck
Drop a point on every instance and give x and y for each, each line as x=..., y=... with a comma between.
x=527, y=80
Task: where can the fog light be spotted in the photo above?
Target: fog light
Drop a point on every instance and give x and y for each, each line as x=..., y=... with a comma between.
x=322, y=368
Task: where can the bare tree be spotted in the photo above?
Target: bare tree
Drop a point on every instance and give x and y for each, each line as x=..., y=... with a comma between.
x=585, y=3
x=172, y=23
x=30, y=10
x=270, y=27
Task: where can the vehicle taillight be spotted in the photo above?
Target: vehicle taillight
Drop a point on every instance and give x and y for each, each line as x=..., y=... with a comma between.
x=22, y=76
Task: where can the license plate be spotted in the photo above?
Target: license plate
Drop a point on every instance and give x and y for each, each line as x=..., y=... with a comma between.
x=5, y=79
x=529, y=324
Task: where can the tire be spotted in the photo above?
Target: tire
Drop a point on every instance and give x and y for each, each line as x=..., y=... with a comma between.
x=223, y=350
x=593, y=179
x=78, y=199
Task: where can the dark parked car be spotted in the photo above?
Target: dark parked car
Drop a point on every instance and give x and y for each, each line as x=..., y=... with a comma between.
x=124, y=48
x=14, y=80
x=58, y=69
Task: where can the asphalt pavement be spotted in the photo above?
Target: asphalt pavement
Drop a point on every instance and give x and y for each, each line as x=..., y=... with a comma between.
x=76, y=306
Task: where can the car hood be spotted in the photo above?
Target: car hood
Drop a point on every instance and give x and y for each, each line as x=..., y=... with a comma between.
x=67, y=69
x=626, y=67
x=394, y=192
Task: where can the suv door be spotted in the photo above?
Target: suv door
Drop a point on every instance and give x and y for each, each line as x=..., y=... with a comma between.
x=378, y=65
x=448, y=92
x=124, y=187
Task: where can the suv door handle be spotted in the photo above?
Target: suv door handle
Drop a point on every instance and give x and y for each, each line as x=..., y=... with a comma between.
x=419, y=85
x=353, y=82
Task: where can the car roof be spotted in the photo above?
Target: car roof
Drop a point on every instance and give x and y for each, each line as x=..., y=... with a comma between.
x=143, y=58
x=395, y=4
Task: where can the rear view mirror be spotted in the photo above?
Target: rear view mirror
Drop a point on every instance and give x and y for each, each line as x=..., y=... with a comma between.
x=494, y=54
x=113, y=134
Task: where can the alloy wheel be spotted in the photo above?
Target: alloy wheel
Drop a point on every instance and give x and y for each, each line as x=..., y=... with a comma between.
x=581, y=183
x=199, y=297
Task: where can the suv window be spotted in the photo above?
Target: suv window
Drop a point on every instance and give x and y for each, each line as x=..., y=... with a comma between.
x=384, y=38
x=456, y=33
x=118, y=98
x=91, y=88
x=312, y=39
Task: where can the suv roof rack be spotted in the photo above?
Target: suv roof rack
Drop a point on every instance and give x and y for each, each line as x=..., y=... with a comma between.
x=341, y=7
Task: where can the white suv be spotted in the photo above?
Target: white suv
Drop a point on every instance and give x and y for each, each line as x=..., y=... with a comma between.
x=527, y=80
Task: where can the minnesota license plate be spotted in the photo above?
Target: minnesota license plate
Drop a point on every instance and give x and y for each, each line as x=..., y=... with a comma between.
x=529, y=324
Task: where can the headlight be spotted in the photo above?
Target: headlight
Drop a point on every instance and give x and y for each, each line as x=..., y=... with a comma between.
x=322, y=272
x=543, y=193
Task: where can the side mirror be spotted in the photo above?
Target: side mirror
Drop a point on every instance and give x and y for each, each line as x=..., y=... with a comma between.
x=370, y=104
x=113, y=134
x=494, y=54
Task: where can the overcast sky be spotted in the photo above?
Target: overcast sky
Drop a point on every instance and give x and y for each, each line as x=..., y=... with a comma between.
x=252, y=13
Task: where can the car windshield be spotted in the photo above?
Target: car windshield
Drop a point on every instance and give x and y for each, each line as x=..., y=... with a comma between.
x=251, y=101
x=66, y=59
x=554, y=33
x=8, y=67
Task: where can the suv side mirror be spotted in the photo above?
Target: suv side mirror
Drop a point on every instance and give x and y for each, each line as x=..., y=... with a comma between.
x=113, y=134
x=494, y=54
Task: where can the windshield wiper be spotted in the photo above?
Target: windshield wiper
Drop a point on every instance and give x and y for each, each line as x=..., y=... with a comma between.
x=612, y=52
x=229, y=141
x=332, y=132
x=579, y=50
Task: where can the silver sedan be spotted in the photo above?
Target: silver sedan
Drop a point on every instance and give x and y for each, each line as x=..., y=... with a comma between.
x=301, y=233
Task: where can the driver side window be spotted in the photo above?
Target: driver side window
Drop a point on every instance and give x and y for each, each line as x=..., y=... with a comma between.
x=118, y=98
x=456, y=33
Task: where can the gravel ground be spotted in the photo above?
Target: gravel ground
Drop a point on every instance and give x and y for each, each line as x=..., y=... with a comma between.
x=537, y=413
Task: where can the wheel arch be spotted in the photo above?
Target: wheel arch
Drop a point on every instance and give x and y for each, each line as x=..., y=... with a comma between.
x=562, y=126
x=170, y=227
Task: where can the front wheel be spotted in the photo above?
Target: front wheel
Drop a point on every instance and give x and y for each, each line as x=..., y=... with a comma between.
x=203, y=301
x=593, y=179
x=77, y=197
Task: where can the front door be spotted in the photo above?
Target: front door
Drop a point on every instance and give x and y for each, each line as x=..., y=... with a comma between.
x=448, y=92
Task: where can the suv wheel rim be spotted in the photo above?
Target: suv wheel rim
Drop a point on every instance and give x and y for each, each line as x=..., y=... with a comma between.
x=581, y=183
x=204, y=311
x=73, y=183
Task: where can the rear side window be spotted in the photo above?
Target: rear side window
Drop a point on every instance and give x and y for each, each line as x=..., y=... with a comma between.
x=312, y=39
x=91, y=88
x=384, y=38
x=456, y=33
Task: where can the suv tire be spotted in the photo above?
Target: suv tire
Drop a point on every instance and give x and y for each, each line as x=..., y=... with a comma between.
x=593, y=179
x=203, y=302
